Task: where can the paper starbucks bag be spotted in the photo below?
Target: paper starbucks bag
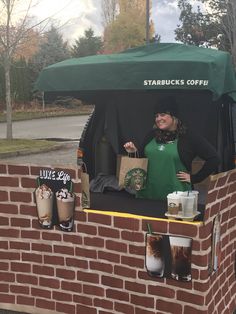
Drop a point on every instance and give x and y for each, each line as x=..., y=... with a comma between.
x=118, y=160
x=85, y=199
x=133, y=172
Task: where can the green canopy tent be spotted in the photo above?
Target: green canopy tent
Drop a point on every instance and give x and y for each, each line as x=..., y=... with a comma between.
x=126, y=86
x=156, y=66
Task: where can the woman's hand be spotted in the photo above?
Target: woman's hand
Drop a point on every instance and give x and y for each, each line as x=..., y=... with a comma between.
x=183, y=176
x=130, y=147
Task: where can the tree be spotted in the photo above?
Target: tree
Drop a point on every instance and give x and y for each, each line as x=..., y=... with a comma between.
x=215, y=26
x=128, y=29
x=52, y=48
x=223, y=15
x=20, y=71
x=14, y=33
x=20, y=80
x=195, y=28
x=29, y=46
x=87, y=45
x=109, y=11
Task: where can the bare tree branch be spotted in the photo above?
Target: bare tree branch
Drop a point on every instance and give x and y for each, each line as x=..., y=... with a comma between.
x=15, y=29
x=109, y=11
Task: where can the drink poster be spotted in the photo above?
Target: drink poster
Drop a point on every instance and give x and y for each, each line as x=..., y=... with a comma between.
x=55, y=199
x=168, y=256
x=216, y=245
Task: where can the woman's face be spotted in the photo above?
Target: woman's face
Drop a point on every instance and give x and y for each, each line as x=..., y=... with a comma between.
x=165, y=121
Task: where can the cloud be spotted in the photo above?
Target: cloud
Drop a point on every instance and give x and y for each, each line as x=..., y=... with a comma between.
x=87, y=13
x=72, y=16
x=165, y=15
x=76, y=27
x=77, y=16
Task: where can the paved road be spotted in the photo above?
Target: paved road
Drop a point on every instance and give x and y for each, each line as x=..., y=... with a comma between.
x=59, y=127
x=67, y=128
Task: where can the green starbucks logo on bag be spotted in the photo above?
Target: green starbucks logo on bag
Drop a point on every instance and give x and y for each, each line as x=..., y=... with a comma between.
x=135, y=179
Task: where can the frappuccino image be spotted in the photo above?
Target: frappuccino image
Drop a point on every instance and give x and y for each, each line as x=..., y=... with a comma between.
x=65, y=208
x=44, y=202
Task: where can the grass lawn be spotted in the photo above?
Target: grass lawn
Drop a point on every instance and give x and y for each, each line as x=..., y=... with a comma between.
x=22, y=145
x=28, y=114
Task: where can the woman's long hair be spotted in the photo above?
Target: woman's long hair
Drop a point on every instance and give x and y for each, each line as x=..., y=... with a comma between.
x=164, y=136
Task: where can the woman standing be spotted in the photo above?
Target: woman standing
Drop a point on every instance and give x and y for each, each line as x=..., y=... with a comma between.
x=170, y=148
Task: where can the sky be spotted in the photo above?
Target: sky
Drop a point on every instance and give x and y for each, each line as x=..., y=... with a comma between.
x=75, y=16
x=165, y=14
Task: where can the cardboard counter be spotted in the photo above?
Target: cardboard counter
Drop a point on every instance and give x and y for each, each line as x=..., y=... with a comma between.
x=100, y=266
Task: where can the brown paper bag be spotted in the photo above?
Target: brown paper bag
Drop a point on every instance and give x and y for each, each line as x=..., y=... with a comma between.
x=118, y=160
x=85, y=199
x=133, y=173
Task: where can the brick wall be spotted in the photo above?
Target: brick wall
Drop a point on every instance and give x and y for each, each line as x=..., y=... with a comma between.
x=99, y=267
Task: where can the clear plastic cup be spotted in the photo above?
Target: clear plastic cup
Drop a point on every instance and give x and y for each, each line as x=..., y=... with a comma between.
x=181, y=258
x=173, y=203
x=195, y=194
x=187, y=202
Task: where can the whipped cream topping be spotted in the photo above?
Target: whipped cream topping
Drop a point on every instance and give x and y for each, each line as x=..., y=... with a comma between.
x=44, y=192
x=64, y=195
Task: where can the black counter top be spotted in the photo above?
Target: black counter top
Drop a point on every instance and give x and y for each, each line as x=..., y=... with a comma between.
x=121, y=201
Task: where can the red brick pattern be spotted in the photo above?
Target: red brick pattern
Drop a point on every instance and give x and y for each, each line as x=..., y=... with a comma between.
x=99, y=268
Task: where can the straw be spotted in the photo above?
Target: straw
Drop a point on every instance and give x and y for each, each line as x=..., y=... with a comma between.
x=84, y=167
x=71, y=186
x=149, y=228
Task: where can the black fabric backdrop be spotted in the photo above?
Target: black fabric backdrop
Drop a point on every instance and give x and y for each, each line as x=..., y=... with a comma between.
x=128, y=116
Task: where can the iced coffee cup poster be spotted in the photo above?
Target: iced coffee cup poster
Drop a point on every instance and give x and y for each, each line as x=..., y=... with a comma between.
x=55, y=200
x=168, y=256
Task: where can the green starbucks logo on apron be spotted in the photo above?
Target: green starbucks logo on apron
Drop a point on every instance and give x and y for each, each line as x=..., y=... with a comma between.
x=135, y=179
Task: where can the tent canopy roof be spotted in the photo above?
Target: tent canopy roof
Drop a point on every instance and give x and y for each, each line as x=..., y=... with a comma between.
x=156, y=66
